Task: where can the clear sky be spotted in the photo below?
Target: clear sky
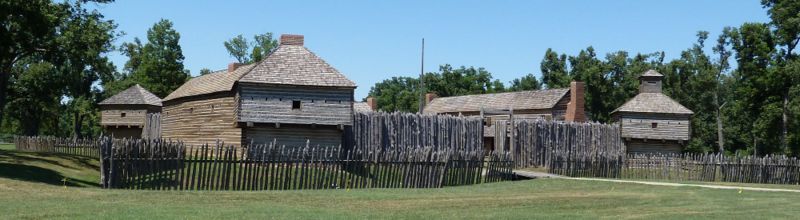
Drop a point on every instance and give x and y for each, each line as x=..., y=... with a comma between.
x=369, y=41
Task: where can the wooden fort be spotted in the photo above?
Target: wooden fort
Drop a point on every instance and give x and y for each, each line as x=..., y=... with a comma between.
x=292, y=96
x=500, y=110
x=125, y=115
x=651, y=121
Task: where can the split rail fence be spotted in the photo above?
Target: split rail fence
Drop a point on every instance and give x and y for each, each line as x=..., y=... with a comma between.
x=163, y=165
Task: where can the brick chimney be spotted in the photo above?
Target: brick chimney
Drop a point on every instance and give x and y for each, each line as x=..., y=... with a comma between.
x=232, y=66
x=575, y=108
x=430, y=97
x=372, y=103
x=292, y=39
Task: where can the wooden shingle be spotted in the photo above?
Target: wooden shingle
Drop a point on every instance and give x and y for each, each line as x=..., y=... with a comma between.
x=653, y=103
x=536, y=99
x=219, y=81
x=135, y=95
x=293, y=64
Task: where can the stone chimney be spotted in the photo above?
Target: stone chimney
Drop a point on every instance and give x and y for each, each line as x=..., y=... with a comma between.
x=232, y=66
x=372, y=103
x=430, y=97
x=575, y=108
x=292, y=39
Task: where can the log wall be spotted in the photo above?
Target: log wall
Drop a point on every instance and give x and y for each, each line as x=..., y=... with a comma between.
x=205, y=119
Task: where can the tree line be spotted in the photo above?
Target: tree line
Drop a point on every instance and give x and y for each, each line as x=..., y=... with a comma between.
x=745, y=93
x=54, y=70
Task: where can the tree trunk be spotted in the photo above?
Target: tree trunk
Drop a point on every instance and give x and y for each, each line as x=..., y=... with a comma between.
x=78, y=125
x=785, y=121
x=5, y=74
x=720, y=137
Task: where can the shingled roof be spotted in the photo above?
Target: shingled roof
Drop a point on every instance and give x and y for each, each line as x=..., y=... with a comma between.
x=653, y=103
x=535, y=99
x=652, y=73
x=218, y=81
x=135, y=95
x=293, y=64
x=361, y=107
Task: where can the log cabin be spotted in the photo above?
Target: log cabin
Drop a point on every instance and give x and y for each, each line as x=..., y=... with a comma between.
x=125, y=114
x=564, y=104
x=652, y=122
x=292, y=97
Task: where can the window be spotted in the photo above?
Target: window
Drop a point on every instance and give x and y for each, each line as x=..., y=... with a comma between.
x=654, y=125
x=295, y=105
x=122, y=115
x=651, y=82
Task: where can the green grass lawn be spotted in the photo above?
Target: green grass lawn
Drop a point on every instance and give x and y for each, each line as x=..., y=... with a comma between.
x=37, y=198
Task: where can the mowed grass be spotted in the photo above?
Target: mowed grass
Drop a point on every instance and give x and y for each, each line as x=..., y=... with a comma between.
x=531, y=199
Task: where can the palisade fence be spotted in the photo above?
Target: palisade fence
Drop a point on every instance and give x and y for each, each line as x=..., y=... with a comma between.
x=772, y=169
x=152, y=126
x=168, y=165
x=536, y=143
x=78, y=147
x=384, y=131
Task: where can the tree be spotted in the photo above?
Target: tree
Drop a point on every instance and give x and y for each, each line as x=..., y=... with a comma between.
x=689, y=80
x=554, y=70
x=35, y=93
x=461, y=81
x=204, y=71
x=757, y=107
x=527, y=82
x=722, y=66
x=39, y=31
x=264, y=44
x=157, y=65
x=786, y=22
x=397, y=94
x=240, y=48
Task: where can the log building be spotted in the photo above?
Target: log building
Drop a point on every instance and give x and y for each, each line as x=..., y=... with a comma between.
x=125, y=114
x=651, y=121
x=292, y=97
x=497, y=109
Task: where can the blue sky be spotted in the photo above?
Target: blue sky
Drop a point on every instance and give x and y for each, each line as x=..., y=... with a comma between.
x=370, y=41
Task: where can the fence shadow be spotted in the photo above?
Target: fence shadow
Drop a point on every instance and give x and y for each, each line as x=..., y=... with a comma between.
x=40, y=175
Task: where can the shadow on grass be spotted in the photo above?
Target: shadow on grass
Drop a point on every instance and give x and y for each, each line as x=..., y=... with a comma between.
x=26, y=157
x=38, y=174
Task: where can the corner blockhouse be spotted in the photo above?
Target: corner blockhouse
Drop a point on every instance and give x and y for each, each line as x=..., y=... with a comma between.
x=652, y=122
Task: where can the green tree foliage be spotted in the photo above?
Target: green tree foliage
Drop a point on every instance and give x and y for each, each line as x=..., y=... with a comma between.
x=156, y=65
x=238, y=47
x=63, y=45
x=785, y=22
x=461, y=81
x=758, y=103
x=688, y=80
x=554, y=70
x=245, y=51
x=527, y=82
x=397, y=94
x=204, y=71
x=263, y=45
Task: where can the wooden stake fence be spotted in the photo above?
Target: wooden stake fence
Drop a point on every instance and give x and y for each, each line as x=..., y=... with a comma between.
x=771, y=169
x=383, y=131
x=78, y=147
x=164, y=165
x=538, y=141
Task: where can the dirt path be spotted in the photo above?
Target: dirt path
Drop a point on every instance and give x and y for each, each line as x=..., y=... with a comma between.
x=536, y=175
